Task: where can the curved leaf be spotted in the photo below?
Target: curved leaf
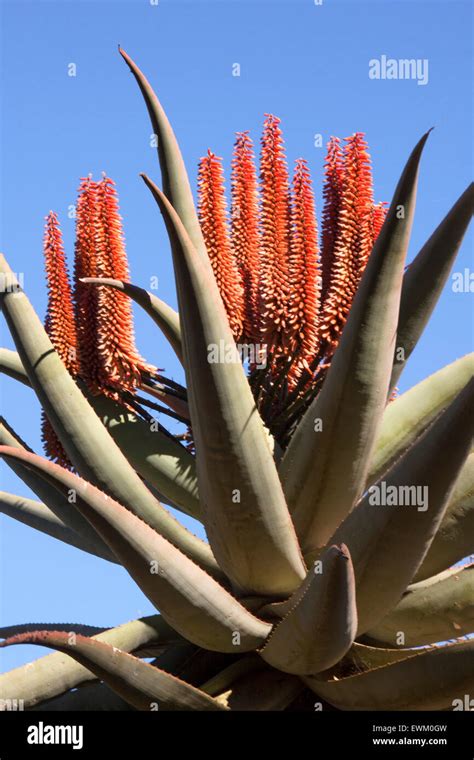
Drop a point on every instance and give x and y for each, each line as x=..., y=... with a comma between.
x=245, y=513
x=423, y=680
x=160, y=460
x=189, y=599
x=454, y=538
x=391, y=529
x=38, y=516
x=426, y=277
x=140, y=684
x=322, y=620
x=50, y=676
x=10, y=364
x=163, y=315
x=58, y=504
x=173, y=171
x=95, y=697
x=437, y=609
x=86, y=441
x=324, y=472
x=410, y=414
x=158, y=457
x=16, y=630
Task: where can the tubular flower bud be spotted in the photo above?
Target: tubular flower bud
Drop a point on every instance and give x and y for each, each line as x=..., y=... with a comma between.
x=304, y=275
x=244, y=230
x=59, y=323
x=120, y=365
x=213, y=220
x=332, y=189
x=353, y=239
x=274, y=250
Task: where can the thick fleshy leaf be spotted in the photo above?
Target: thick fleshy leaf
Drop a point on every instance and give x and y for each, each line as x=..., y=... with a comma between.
x=140, y=684
x=10, y=364
x=173, y=171
x=325, y=465
x=245, y=514
x=160, y=460
x=262, y=691
x=95, y=697
x=426, y=277
x=163, y=315
x=87, y=442
x=322, y=620
x=410, y=414
x=431, y=679
x=391, y=529
x=54, y=501
x=50, y=676
x=189, y=599
x=16, y=630
x=454, y=538
x=37, y=515
x=437, y=609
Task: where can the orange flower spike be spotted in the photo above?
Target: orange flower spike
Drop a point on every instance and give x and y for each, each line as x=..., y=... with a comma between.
x=59, y=324
x=274, y=249
x=213, y=219
x=378, y=214
x=353, y=238
x=357, y=151
x=86, y=297
x=244, y=229
x=332, y=199
x=304, y=273
x=120, y=364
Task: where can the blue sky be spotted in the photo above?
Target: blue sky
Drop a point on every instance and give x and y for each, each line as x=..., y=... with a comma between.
x=304, y=62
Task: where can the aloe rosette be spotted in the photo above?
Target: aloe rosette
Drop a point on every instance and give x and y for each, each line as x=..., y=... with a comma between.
x=307, y=589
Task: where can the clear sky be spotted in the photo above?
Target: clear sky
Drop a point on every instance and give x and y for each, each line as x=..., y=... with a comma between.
x=306, y=63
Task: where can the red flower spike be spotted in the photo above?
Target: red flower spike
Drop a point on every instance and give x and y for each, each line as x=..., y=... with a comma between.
x=274, y=247
x=244, y=230
x=353, y=239
x=120, y=365
x=86, y=296
x=59, y=323
x=332, y=198
x=378, y=214
x=213, y=220
x=305, y=282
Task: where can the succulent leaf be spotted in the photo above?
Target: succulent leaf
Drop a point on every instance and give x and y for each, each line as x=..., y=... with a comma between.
x=189, y=599
x=138, y=682
x=437, y=609
x=87, y=442
x=173, y=171
x=160, y=460
x=324, y=472
x=408, y=416
x=426, y=276
x=38, y=516
x=383, y=528
x=429, y=679
x=454, y=538
x=50, y=676
x=244, y=510
x=322, y=620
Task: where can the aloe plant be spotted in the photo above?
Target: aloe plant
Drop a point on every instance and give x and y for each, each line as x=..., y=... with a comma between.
x=313, y=587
